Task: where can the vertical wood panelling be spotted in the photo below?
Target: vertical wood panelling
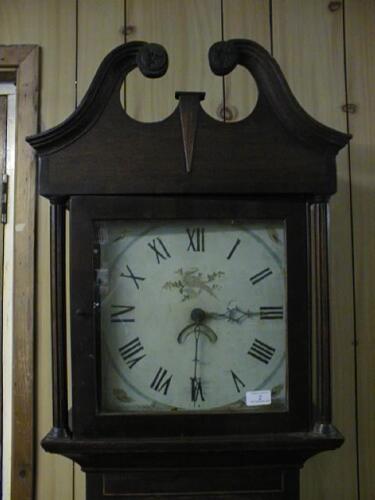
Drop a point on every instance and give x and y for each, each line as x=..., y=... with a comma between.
x=360, y=38
x=244, y=19
x=309, y=45
x=186, y=28
x=100, y=29
x=52, y=25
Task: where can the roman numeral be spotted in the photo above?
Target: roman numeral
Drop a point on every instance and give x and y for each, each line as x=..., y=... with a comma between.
x=160, y=382
x=271, y=312
x=160, y=250
x=260, y=276
x=118, y=314
x=261, y=351
x=132, y=276
x=196, y=389
x=237, y=381
x=233, y=249
x=196, y=239
x=130, y=351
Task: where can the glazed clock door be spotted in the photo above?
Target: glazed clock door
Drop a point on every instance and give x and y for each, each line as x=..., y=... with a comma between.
x=183, y=316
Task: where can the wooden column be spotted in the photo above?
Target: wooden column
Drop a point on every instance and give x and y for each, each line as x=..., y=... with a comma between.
x=58, y=310
x=321, y=314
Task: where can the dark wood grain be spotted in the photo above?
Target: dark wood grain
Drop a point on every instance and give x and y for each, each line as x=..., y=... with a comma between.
x=149, y=158
x=58, y=315
x=321, y=314
x=219, y=451
x=188, y=484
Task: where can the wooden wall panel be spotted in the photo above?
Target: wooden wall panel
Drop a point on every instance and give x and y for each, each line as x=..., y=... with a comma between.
x=100, y=29
x=186, y=28
x=360, y=43
x=244, y=19
x=309, y=45
x=52, y=26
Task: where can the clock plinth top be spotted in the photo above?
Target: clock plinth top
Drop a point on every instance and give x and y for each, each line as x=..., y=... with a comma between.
x=99, y=150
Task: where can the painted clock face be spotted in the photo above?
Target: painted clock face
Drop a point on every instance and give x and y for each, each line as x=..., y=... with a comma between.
x=191, y=315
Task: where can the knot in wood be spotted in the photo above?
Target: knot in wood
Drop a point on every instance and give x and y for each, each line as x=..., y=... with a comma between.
x=334, y=6
x=223, y=57
x=152, y=60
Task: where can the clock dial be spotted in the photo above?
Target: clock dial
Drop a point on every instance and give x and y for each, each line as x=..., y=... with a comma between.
x=191, y=314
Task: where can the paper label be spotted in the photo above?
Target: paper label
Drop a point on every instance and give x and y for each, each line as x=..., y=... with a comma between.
x=258, y=398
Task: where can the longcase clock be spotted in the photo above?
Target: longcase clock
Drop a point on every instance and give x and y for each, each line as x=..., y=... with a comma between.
x=198, y=287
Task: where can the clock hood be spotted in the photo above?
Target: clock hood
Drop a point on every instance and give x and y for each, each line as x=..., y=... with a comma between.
x=278, y=149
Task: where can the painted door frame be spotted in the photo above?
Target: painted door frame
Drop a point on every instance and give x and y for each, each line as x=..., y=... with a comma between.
x=24, y=61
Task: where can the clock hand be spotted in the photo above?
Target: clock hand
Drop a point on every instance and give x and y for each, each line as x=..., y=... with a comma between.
x=196, y=387
x=198, y=316
x=197, y=333
x=205, y=330
x=233, y=314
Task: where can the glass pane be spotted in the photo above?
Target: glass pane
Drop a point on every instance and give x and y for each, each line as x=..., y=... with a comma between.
x=192, y=315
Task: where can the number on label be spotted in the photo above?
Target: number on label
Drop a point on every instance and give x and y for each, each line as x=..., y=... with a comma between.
x=261, y=351
x=260, y=276
x=237, y=381
x=160, y=382
x=196, y=239
x=271, y=312
x=160, y=250
x=130, y=351
x=119, y=312
x=196, y=389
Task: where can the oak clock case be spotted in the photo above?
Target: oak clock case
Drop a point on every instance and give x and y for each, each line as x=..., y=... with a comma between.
x=198, y=287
